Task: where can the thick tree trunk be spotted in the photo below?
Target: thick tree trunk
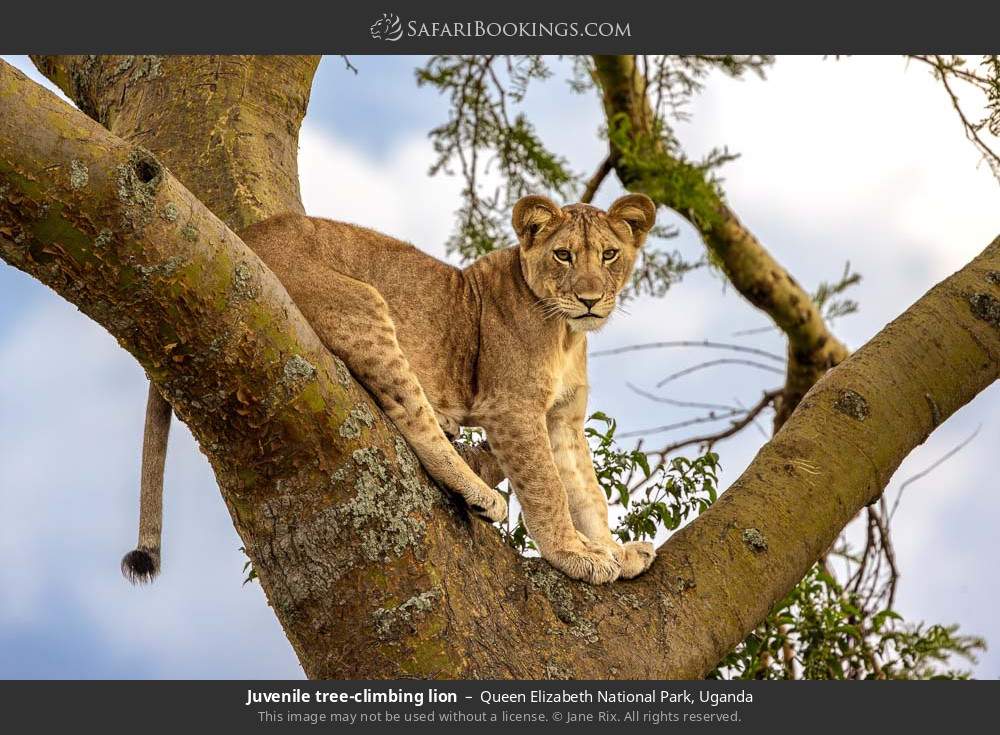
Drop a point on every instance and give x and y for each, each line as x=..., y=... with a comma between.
x=226, y=126
x=753, y=271
x=371, y=570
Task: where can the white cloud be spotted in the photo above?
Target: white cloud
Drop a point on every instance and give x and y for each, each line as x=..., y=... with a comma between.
x=392, y=194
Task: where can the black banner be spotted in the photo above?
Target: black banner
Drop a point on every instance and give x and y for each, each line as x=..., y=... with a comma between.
x=529, y=706
x=514, y=26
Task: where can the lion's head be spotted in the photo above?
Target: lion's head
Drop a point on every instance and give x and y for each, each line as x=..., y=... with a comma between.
x=577, y=258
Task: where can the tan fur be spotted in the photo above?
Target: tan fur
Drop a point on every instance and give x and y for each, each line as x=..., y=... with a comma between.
x=499, y=344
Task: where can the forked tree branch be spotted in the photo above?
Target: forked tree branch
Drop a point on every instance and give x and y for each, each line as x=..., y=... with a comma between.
x=373, y=572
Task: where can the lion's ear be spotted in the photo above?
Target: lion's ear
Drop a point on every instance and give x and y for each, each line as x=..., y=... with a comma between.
x=637, y=211
x=532, y=214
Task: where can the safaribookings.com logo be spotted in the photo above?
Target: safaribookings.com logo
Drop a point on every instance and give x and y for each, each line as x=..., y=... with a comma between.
x=390, y=28
x=387, y=28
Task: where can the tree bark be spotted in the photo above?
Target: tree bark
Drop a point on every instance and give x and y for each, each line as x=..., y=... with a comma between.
x=372, y=571
x=226, y=126
x=753, y=271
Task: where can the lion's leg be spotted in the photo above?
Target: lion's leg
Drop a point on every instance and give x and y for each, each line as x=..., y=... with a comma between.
x=353, y=321
x=588, y=504
x=522, y=447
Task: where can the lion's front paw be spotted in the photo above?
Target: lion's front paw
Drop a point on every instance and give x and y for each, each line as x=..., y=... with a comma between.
x=635, y=557
x=489, y=505
x=586, y=561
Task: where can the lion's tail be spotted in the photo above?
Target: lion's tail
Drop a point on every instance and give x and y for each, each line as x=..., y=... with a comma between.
x=142, y=564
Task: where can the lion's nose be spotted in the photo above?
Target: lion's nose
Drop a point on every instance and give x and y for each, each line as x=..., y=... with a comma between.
x=589, y=303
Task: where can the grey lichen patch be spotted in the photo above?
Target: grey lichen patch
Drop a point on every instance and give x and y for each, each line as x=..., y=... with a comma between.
x=986, y=307
x=339, y=476
x=384, y=510
x=683, y=584
x=553, y=585
x=404, y=457
x=166, y=268
x=296, y=370
x=170, y=213
x=371, y=516
x=147, y=66
x=993, y=277
x=103, y=239
x=627, y=599
x=585, y=631
x=244, y=283
x=124, y=64
x=79, y=174
x=111, y=316
x=853, y=404
x=143, y=66
x=343, y=374
x=555, y=671
x=189, y=232
x=139, y=178
x=754, y=539
x=360, y=416
x=389, y=620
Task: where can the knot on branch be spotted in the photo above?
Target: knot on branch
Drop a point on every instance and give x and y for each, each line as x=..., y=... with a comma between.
x=139, y=178
x=986, y=307
x=853, y=404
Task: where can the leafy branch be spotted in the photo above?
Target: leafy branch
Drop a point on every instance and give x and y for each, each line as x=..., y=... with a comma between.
x=499, y=155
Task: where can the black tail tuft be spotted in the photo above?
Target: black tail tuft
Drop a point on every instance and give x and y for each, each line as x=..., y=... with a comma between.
x=141, y=565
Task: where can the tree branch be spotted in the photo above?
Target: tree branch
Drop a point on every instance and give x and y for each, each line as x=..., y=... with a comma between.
x=373, y=572
x=812, y=348
x=595, y=181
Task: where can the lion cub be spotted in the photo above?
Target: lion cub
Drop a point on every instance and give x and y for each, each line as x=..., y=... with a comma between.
x=501, y=344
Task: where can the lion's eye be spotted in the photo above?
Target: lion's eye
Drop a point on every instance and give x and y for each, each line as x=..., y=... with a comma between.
x=564, y=256
x=609, y=255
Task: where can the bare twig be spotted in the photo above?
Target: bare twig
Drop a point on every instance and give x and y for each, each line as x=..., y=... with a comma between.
x=710, y=440
x=347, y=63
x=714, y=363
x=595, y=181
x=679, y=425
x=681, y=404
x=690, y=343
x=947, y=69
x=923, y=473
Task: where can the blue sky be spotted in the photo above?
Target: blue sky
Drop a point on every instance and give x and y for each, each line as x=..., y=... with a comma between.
x=859, y=159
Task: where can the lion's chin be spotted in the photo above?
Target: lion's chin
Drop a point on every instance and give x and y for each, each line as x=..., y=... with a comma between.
x=587, y=323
